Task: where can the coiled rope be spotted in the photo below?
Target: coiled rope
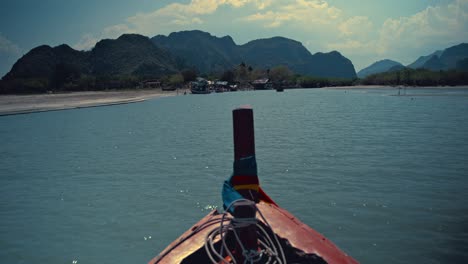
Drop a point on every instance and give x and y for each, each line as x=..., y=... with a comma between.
x=270, y=248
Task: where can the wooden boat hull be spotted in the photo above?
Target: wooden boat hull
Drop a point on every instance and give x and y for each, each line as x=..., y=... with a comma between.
x=284, y=225
x=251, y=222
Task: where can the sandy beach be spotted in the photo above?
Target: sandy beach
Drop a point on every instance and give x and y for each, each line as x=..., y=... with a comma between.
x=22, y=104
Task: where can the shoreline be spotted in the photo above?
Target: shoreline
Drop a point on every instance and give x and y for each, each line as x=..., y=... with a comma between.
x=395, y=87
x=25, y=104
x=34, y=103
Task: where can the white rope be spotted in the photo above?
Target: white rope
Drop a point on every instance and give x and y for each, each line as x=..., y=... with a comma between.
x=271, y=249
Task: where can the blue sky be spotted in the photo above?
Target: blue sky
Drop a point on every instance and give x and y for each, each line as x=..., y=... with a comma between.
x=362, y=30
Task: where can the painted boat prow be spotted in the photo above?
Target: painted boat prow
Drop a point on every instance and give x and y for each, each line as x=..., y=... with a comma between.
x=298, y=242
x=284, y=224
x=189, y=242
x=301, y=236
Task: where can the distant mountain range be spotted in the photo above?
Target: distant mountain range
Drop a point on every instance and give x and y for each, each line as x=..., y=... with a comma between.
x=378, y=67
x=452, y=58
x=212, y=54
x=137, y=55
x=442, y=60
x=130, y=54
x=419, y=63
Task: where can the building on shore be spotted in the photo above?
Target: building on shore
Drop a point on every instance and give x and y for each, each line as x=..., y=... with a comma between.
x=150, y=84
x=262, y=84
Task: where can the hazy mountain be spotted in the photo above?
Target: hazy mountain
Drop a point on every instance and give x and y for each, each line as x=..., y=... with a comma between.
x=423, y=59
x=212, y=54
x=44, y=61
x=271, y=52
x=200, y=49
x=452, y=55
x=462, y=65
x=129, y=54
x=330, y=64
x=442, y=60
x=396, y=68
x=434, y=64
x=378, y=67
x=133, y=54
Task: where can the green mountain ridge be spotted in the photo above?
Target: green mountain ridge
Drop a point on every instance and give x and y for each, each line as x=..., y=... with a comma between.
x=378, y=67
x=43, y=61
x=452, y=58
x=130, y=54
x=446, y=59
x=213, y=54
x=200, y=50
x=131, y=58
x=423, y=59
x=452, y=55
x=434, y=64
x=141, y=57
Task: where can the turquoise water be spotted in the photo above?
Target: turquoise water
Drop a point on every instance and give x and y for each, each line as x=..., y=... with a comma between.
x=384, y=177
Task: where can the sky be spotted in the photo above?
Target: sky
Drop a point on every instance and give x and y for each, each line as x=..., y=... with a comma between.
x=364, y=31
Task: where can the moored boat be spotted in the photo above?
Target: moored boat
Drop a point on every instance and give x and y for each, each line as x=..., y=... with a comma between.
x=253, y=228
x=199, y=87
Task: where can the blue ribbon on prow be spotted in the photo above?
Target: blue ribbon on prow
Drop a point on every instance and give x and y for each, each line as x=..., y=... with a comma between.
x=245, y=169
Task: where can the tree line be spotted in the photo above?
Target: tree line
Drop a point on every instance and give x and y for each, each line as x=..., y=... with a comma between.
x=68, y=79
x=417, y=77
x=281, y=75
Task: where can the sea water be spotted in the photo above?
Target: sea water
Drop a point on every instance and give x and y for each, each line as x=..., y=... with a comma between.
x=384, y=177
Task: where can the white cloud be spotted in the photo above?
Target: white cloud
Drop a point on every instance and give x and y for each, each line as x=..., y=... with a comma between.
x=404, y=38
x=357, y=38
x=9, y=53
x=304, y=13
x=116, y=30
x=317, y=23
x=173, y=17
x=355, y=45
x=269, y=19
x=358, y=26
x=263, y=4
x=86, y=42
x=8, y=47
x=435, y=25
x=185, y=14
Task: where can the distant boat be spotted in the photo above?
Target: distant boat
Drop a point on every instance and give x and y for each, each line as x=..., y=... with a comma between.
x=253, y=228
x=200, y=86
x=280, y=89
